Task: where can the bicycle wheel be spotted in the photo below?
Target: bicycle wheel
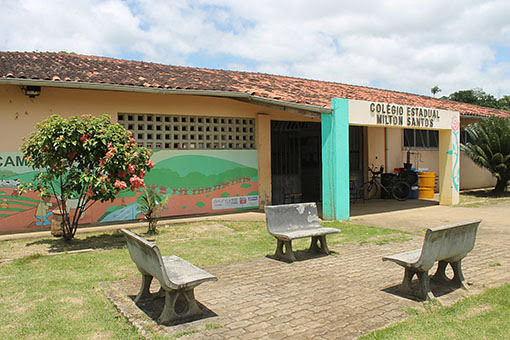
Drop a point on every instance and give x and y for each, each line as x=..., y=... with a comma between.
x=401, y=190
x=369, y=190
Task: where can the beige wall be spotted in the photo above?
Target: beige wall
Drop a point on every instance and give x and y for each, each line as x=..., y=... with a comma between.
x=471, y=176
x=375, y=146
x=20, y=113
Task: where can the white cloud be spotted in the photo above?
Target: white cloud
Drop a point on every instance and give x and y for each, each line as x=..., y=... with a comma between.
x=399, y=44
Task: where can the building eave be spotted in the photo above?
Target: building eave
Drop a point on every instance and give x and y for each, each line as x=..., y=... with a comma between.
x=308, y=110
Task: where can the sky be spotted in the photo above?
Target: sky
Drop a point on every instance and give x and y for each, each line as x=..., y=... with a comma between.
x=398, y=45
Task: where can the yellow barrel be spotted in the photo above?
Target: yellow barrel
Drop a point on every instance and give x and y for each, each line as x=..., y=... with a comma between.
x=426, y=181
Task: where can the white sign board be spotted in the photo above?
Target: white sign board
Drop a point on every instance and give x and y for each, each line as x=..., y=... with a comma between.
x=235, y=202
x=404, y=116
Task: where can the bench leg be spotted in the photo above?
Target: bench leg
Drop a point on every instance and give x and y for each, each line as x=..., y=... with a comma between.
x=424, y=282
x=145, y=289
x=179, y=305
x=406, y=282
x=314, y=247
x=288, y=255
x=458, y=277
x=440, y=274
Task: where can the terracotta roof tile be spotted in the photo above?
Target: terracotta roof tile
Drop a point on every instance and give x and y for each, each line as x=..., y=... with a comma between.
x=60, y=67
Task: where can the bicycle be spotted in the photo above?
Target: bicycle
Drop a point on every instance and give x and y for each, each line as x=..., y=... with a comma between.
x=398, y=188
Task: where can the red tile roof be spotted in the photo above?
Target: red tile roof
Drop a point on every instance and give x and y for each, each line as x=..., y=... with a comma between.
x=68, y=67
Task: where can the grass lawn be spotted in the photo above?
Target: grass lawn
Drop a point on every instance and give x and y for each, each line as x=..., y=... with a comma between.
x=484, y=316
x=50, y=287
x=477, y=198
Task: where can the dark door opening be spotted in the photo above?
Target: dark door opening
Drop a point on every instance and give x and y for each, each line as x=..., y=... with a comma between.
x=296, y=164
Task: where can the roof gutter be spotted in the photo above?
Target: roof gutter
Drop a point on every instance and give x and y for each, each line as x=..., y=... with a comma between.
x=130, y=88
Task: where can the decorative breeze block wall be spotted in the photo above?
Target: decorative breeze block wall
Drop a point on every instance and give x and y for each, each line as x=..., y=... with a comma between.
x=172, y=132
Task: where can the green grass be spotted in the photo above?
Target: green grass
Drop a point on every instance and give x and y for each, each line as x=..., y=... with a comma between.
x=47, y=293
x=484, y=316
x=480, y=198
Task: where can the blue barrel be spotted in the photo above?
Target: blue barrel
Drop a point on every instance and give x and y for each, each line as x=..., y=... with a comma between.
x=414, y=192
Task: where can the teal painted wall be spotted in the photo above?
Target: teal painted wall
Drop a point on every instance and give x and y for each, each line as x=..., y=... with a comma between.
x=335, y=161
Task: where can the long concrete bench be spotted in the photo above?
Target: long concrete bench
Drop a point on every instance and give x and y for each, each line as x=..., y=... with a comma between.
x=177, y=277
x=447, y=244
x=293, y=221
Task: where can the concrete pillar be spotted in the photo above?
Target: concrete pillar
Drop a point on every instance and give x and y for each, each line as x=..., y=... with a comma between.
x=335, y=161
x=263, y=141
x=449, y=159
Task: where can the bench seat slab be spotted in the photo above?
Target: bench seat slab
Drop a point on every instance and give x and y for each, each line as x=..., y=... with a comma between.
x=183, y=274
x=405, y=259
x=303, y=233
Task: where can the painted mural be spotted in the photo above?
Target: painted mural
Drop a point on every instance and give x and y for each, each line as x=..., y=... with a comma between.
x=455, y=152
x=195, y=182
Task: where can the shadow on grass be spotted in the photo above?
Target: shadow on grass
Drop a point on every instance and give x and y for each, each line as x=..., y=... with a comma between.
x=103, y=241
x=487, y=193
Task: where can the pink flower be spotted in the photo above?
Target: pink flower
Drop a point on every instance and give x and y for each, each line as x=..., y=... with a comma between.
x=455, y=124
x=131, y=168
x=135, y=154
x=136, y=182
x=141, y=173
x=83, y=139
x=121, y=185
x=150, y=163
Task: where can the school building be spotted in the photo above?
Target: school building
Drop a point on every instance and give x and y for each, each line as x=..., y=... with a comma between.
x=229, y=141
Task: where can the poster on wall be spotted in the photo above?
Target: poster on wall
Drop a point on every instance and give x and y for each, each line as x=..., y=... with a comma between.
x=193, y=181
x=235, y=202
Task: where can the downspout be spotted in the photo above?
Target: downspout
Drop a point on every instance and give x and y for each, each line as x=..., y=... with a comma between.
x=386, y=163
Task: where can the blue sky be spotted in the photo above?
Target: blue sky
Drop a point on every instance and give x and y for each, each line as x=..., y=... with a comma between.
x=393, y=44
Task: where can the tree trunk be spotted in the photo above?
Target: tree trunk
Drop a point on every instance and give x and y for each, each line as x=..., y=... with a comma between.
x=501, y=185
x=67, y=228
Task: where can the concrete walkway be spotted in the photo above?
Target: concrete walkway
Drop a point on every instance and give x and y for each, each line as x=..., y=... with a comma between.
x=334, y=297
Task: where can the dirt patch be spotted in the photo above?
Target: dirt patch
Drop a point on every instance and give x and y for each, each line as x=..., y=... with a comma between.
x=210, y=227
x=476, y=310
x=73, y=300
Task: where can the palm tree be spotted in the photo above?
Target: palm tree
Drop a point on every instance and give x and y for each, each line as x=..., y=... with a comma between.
x=489, y=147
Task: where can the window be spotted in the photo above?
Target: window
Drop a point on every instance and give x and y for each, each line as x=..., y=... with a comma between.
x=424, y=139
x=464, y=136
x=189, y=132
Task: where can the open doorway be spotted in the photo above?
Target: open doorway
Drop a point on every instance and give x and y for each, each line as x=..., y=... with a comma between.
x=296, y=164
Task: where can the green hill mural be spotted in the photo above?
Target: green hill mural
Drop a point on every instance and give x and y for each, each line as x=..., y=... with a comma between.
x=191, y=171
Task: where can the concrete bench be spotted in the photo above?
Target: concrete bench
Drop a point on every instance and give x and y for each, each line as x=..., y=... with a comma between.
x=293, y=221
x=177, y=278
x=446, y=244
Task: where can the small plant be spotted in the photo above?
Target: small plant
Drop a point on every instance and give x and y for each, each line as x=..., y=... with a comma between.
x=150, y=206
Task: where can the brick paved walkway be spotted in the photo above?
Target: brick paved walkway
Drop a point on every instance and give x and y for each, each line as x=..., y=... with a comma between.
x=334, y=297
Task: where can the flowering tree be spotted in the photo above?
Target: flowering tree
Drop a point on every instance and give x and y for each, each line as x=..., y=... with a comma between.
x=83, y=158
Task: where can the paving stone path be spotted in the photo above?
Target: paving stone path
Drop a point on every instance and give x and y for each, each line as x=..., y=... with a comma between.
x=333, y=297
